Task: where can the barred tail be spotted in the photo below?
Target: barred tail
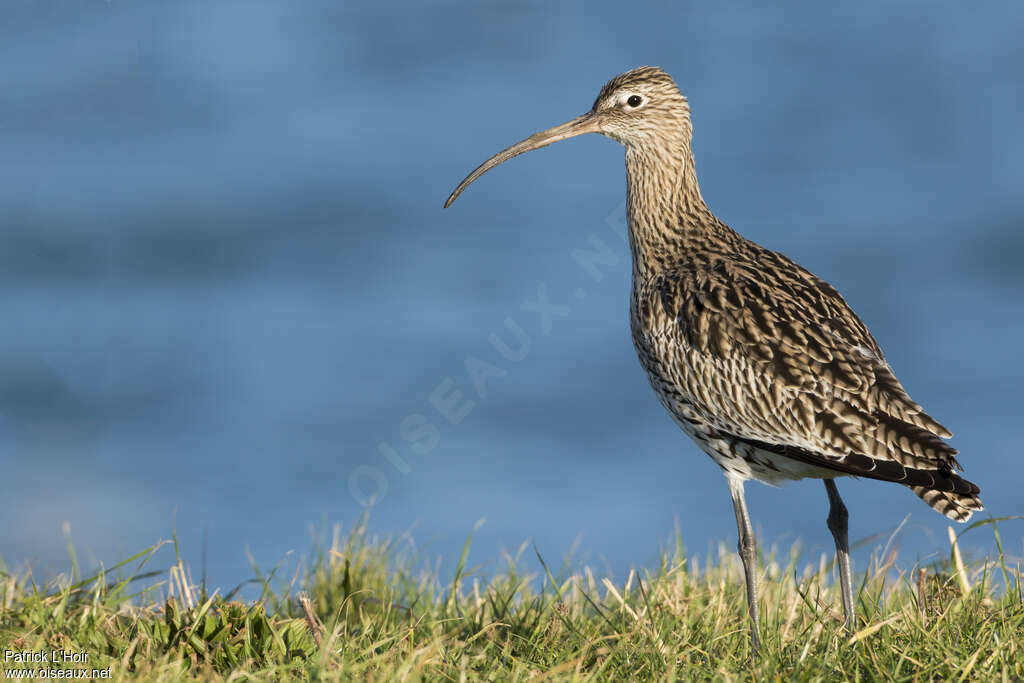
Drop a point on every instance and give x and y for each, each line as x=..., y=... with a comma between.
x=956, y=506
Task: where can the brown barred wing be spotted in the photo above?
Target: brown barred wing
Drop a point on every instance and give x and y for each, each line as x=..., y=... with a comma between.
x=775, y=354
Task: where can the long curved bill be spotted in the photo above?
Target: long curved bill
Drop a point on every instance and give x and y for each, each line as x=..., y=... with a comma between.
x=580, y=125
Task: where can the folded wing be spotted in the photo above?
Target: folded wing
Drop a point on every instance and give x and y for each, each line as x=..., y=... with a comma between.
x=775, y=356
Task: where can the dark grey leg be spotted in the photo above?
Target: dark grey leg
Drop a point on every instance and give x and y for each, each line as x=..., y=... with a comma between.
x=748, y=554
x=838, y=522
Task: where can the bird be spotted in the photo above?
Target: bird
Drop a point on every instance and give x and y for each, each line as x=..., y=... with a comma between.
x=763, y=364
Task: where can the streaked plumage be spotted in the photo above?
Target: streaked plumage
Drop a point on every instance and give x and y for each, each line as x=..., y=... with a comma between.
x=762, y=363
x=745, y=346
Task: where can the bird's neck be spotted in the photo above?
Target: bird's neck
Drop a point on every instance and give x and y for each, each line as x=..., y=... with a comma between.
x=667, y=215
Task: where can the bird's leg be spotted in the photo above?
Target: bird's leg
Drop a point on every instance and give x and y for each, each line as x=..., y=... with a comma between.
x=747, y=547
x=838, y=519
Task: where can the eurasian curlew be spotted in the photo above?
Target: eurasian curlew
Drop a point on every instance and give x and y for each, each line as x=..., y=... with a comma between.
x=761, y=363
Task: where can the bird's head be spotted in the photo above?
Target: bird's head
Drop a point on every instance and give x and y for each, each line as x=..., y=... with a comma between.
x=642, y=106
x=639, y=108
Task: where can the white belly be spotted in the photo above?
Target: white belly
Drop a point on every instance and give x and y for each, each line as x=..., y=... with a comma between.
x=738, y=459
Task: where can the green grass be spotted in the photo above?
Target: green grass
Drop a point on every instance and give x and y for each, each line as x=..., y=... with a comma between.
x=364, y=608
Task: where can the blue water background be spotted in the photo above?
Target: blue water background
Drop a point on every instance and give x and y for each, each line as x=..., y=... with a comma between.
x=226, y=278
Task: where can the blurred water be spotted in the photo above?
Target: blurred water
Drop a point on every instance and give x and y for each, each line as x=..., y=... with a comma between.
x=227, y=279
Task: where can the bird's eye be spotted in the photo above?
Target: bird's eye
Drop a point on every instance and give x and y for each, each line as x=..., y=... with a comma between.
x=635, y=101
